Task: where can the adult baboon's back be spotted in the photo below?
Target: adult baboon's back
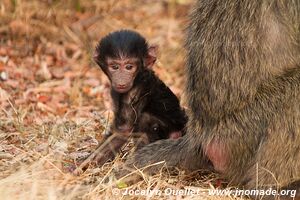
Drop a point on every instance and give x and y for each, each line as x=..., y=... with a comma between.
x=243, y=87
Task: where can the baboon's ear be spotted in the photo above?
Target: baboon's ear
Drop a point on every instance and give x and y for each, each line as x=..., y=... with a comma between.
x=151, y=56
x=97, y=59
x=99, y=63
x=95, y=56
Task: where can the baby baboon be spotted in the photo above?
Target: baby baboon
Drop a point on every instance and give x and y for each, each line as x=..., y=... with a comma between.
x=243, y=87
x=144, y=106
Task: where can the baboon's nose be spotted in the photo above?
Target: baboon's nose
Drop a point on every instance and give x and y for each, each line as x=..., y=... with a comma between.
x=121, y=86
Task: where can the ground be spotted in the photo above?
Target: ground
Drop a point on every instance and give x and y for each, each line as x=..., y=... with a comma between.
x=54, y=100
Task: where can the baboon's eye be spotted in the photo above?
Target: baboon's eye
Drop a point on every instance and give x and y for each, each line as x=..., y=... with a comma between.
x=114, y=67
x=129, y=67
x=155, y=128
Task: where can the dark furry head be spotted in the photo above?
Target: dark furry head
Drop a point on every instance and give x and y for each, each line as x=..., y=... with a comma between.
x=123, y=43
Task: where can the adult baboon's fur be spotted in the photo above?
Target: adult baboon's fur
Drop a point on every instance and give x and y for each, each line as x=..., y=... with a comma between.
x=243, y=88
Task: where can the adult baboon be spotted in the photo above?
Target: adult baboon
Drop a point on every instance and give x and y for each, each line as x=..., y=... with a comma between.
x=243, y=88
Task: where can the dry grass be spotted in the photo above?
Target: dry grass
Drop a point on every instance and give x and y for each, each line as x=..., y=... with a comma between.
x=54, y=101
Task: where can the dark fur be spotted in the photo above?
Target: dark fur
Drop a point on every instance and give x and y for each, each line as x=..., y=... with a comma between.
x=149, y=98
x=243, y=89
